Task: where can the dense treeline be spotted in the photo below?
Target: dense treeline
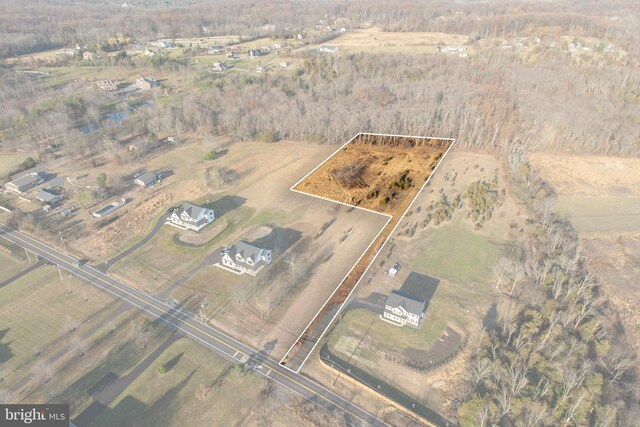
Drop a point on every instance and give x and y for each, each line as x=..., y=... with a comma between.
x=559, y=357
x=31, y=25
x=489, y=102
x=485, y=103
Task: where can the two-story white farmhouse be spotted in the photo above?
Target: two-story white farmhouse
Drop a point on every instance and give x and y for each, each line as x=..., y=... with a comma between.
x=246, y=258
x=402, y=309
x=191, y=217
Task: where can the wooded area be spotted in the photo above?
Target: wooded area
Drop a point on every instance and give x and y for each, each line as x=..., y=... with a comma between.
x=560, y=356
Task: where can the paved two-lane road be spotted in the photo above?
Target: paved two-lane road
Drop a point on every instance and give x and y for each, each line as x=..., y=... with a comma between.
x=226, y=346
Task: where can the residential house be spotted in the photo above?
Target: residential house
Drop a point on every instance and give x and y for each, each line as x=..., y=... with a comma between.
x=87, y=55
x=150, y=52
x=48, y=197
x=26, y=182
x=260, y=69
x=453, y=49
x=161, y=43
x=219, y=67
x=107, y=85
x=146, y=83
x=254, y=53
x=146, y=179
x=69, y=52
x=216, y=50
x=246, y=258
x=403, y=309
x=328, y=49
x=191, y=217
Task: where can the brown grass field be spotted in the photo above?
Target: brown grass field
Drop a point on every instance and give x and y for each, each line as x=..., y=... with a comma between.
x=376, y=37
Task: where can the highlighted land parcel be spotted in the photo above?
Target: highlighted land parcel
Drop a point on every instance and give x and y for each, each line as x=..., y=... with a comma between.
x=378, y=173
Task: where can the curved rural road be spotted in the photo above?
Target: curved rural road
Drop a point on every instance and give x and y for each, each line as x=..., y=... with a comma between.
x=226, y=346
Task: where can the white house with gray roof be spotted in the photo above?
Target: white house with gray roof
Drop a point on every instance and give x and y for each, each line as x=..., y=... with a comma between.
x=191, y=217
x=146, y=179
x=402, y=309
x=246, y=258
x=25, y=182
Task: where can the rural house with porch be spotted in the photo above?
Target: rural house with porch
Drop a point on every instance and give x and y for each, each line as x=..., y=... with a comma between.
x=402, y=309
x=246, y=258
x=191, y=217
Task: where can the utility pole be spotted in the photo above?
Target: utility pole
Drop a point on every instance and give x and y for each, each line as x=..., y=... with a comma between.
x=64, y=245
x=28, y=257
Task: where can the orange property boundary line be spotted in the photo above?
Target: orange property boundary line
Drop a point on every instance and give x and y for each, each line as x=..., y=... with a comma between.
x=362, y=260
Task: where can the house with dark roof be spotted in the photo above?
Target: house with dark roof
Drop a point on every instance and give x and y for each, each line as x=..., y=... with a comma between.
x=244, y=257
x=48, y=197
x=254, y=53
x=146, y=179
x=191, y=217
x=402, y=309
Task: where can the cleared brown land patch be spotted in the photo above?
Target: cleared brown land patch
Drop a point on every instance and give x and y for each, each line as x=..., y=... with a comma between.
x=377, y=37
x=381, y=173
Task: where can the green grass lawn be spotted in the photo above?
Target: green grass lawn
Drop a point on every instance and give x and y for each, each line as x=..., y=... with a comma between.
x=9, y=161
x=36, y=311
x=456, y=253
x=356, y=322
x=601, y=213
x=10, y=265
x=242, y=64
x=168, y=399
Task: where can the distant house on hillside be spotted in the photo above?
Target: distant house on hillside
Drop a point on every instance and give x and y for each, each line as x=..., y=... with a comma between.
x=454, y=49
x=191, y=217
x=219, y=67
x=328, y=49
x=146, y=179
x=87, y=55
x=107, y=85
x=26, y=182
x=216, y=50
x=403, y=309
x=161, y=43
x=146, y=83
x=246, y=258
x=254, y=53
